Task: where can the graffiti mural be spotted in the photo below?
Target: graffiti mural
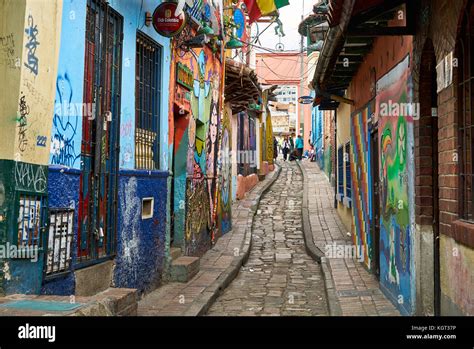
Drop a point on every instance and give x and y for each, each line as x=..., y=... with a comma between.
x=225, y=201
x=198, y=184
x=198, y=218
x=396, y=194
x=361, y=184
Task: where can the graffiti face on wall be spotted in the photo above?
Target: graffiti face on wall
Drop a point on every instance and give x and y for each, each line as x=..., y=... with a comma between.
x=396, y=164
x=202, y=89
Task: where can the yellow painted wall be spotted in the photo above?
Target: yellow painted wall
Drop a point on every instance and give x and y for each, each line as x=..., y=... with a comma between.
x=28, y=107
x=344, y=136
x=457, y=277
x=11, y=50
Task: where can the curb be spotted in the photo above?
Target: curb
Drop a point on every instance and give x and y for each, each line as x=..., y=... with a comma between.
x=315, y=253
x=311, y=248
x=201, y=305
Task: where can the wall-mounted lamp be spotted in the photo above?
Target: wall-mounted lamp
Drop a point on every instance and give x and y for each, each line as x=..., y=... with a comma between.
x=233, y=43
x=197, y=41
x=206, y=30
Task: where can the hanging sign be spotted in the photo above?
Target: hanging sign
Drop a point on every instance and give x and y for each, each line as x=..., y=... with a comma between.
x=184, y=76
x=305, y=100
x=166, y=21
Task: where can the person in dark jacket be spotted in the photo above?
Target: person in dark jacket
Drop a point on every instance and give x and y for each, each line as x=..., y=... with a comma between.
x=285, y=148
x=275, y=148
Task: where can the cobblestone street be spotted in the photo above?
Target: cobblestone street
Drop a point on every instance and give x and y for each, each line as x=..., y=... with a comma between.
x=279, y=277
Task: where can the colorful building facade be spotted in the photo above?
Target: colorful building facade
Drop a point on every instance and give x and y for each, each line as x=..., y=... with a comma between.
x=409, y=157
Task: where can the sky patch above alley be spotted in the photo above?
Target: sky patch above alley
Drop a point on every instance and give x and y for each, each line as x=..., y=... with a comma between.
x=290, y=16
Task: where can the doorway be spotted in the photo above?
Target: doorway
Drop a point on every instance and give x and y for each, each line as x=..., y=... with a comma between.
x=427, y=152
x=100, y=136
x=375, y=223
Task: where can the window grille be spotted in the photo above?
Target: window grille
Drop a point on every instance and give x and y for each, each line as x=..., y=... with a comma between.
x=466, y=116
x=58, y=257
x=147, y=103
x=348, y=170
x=340, y=170
x=31, y=220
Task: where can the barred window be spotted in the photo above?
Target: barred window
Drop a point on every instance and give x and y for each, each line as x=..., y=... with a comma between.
x=347, y=161
x=31, y=220
x=58, y=257
x=340, y=170
x=466, y=116
x=147, y=103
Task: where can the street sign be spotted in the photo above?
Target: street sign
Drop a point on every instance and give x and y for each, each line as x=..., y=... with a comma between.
x=305, y=100
x=166, y=21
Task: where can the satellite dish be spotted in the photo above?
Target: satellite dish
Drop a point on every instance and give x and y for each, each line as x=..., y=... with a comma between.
x=280, y=46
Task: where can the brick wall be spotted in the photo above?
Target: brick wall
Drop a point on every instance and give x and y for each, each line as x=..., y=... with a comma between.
x=438, y=26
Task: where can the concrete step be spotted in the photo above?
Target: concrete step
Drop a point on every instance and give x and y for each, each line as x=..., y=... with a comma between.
x=121, y=301
x=184, y=268
x=175, y=253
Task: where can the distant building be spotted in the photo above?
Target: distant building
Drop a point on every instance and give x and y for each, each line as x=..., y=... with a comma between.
x=284, y=70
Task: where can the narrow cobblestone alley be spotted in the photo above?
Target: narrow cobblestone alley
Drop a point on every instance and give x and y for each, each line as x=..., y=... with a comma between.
x=279, y=277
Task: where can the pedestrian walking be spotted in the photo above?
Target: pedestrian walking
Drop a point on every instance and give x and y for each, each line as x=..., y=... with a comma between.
x=292, y=144
x=299, y=147
x=285, y=148
x=275, y=148
x=312, y=153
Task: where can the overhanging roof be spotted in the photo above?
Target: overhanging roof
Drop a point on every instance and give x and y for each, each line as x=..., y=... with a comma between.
x=241, y=87
x=354, y=24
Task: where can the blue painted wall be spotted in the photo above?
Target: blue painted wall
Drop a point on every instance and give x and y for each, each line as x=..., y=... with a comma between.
x=141, y=243
x=317, y=135
x=66, y=133
x=67, y=124
x=60, y=178
x=134, y=19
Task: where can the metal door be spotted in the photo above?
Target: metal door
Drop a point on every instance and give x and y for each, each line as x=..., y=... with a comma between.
x=100, y=133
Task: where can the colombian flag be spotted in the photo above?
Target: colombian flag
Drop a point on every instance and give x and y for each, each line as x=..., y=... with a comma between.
x=259, y=8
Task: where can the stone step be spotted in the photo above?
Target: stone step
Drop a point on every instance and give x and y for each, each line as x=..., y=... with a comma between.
x=175, y=253
x=184, y=268
x=124, y=301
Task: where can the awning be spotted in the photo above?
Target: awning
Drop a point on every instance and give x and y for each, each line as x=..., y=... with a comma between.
x=241, y=86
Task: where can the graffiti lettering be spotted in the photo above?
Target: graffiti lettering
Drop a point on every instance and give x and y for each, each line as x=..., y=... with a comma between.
x=63, y=148
x=31, y=45
x=30, y=177
x=23, y=123
x=7, y=51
